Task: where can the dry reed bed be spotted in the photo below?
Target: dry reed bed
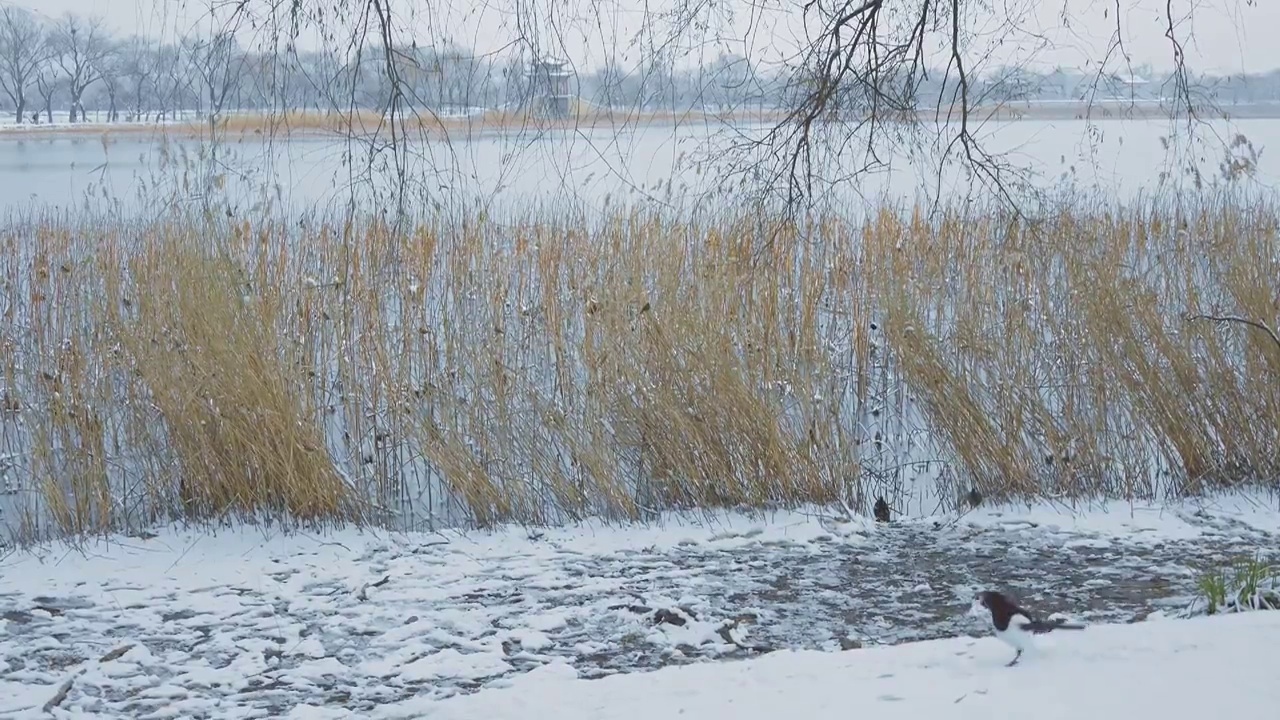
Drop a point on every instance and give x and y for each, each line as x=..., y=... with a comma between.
x=411, y=121
x=530, y=370
x=421, y=121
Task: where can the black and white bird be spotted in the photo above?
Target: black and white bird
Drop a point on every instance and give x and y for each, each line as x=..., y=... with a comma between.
x=1014, y=625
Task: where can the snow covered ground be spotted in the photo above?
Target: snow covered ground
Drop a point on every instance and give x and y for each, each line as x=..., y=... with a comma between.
x=95, y=119
x=246, y=623
x=1192, y=669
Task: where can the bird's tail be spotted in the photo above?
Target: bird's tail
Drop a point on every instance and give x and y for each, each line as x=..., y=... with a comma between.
x=1039, y=626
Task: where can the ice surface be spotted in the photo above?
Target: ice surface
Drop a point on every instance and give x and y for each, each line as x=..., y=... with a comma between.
x=243, y=623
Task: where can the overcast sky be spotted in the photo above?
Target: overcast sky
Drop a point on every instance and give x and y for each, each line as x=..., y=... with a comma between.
x=1221, y=35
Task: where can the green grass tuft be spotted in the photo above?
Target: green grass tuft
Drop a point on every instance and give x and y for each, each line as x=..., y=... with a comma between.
x=1243, y=584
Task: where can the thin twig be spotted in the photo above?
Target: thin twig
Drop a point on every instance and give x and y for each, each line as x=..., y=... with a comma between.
x=1224, y=319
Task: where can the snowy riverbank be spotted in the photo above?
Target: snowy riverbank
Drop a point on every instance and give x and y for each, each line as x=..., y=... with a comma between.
x=1174, y=670
x=246, y=624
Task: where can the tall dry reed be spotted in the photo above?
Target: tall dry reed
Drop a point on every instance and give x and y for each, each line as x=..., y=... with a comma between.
x=538, y=370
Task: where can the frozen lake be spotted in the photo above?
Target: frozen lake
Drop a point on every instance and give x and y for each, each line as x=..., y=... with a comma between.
x=587, y=166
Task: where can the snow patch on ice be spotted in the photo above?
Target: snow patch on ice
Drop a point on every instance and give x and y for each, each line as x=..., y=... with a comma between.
x=449, y=663
x=531, y=639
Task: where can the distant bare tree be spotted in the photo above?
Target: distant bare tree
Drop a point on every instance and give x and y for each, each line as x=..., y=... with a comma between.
x=275, y=79
x=658, y=80
x=516, y=82
x=448, y=76
x=730, y=80
x=49, y=83
x=137, y=68
x=608, y=81
x=323, y=76
x=80, y=47
x=111, y=69
x=22, y=51
x=171, y=84
x=216, y=64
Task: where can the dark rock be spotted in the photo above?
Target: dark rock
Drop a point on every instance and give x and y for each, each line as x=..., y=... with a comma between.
x=669, y=617
x=183, y=614
x=637, y=609
x=16, y=617
x=117, y=653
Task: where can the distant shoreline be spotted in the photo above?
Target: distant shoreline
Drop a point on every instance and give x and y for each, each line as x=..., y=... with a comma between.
x=367, y=124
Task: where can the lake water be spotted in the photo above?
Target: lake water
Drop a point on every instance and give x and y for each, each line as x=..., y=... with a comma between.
x=590, y=167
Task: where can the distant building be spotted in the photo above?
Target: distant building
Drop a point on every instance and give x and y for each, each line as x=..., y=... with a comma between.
x=1134, y=86
x=550, y=91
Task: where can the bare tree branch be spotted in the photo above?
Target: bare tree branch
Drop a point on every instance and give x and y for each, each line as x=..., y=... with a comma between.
x=1225, y=319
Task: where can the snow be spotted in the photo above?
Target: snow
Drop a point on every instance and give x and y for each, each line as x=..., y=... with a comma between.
x=1217, y=667
x=1181, y=520
x=247, y=622
x=95, y=120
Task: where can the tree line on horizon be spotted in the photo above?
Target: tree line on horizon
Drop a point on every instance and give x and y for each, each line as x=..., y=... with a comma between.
x=75, y=64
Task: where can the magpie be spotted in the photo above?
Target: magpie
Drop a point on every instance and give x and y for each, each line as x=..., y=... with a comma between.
x=1014, y=625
